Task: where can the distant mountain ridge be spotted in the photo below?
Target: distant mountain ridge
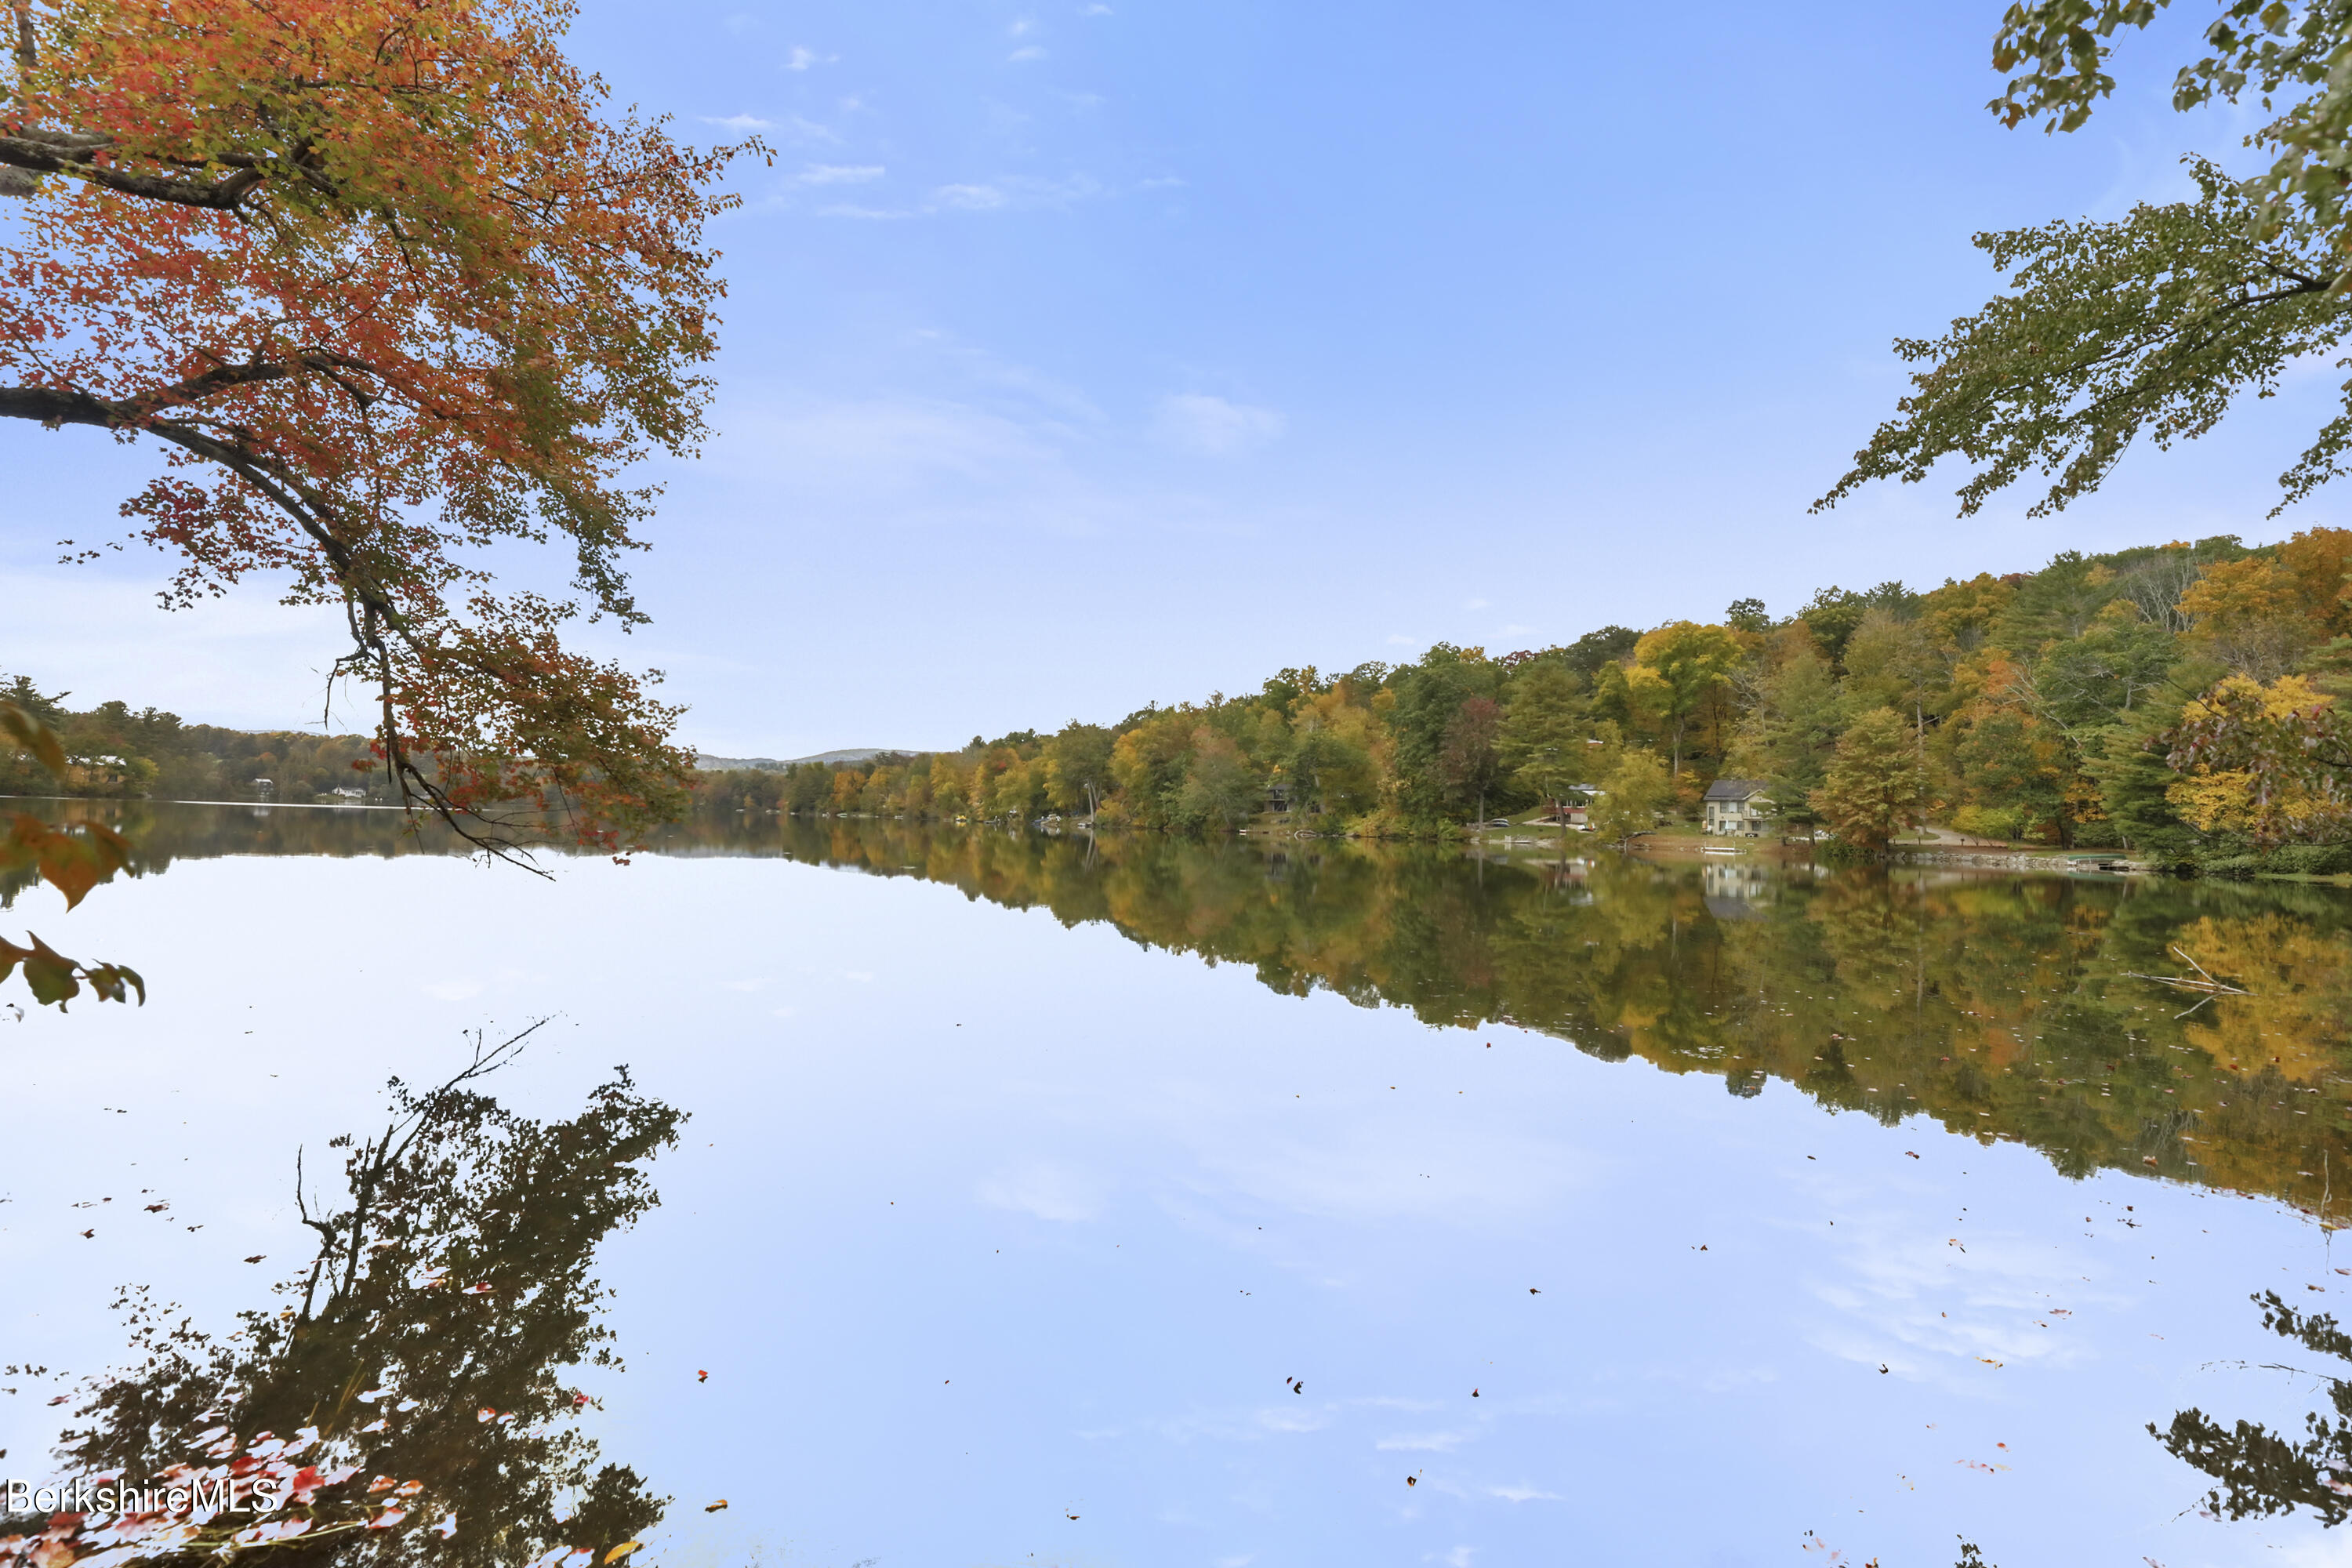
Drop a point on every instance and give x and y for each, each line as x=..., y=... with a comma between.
x=709, y=763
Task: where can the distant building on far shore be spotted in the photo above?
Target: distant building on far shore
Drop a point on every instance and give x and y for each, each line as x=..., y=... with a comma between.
x=1736, y=806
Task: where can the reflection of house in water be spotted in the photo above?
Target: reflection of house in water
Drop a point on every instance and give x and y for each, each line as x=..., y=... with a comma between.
x=1732, y=892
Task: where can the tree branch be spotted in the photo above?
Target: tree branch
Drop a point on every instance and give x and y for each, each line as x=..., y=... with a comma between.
x=47, y=155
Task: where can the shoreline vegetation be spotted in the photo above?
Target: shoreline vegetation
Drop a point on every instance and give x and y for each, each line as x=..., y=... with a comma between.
x=2179, y=706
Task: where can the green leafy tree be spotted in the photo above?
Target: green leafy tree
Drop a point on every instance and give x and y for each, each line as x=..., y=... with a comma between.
x=1892, y=662
x=1877, y=782
x=2012, y=762
x=1471, y=759
x=1545, y=732
x=1791, y=734
x=2099, y=677
x=1218, y=791
x=1078, y=766
x=2156, y=323
x=1687, y=667
x=1632, y=792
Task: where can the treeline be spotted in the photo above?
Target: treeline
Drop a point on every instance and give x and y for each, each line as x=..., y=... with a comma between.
x=2114, y=700
x=115, y=753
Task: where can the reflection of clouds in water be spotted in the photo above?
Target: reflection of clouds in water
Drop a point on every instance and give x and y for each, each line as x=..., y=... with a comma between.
x=1046, y=1189
x=1369, y=1172
x=1423, y=1442
x=1951, y=1307
x=2325, y=1553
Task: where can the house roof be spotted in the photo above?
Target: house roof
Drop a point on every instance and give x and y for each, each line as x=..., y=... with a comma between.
x=1735, y=789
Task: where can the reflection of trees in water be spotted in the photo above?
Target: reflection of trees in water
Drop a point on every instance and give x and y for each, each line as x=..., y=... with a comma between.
x=2262, y=1472
x=425, y=1346
x=1997, y=1005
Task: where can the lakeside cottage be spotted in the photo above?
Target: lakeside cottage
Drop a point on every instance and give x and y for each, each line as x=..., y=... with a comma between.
x=1736, y=806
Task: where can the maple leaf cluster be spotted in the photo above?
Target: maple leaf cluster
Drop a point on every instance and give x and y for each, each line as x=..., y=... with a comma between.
x=390, y=289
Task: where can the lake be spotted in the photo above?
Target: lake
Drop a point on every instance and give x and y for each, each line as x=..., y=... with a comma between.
x=981, y=1197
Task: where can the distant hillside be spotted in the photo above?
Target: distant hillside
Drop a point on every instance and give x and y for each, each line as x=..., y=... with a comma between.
x=856, y=754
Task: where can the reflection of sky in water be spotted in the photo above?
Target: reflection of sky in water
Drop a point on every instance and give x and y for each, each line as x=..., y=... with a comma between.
x=981, y=1223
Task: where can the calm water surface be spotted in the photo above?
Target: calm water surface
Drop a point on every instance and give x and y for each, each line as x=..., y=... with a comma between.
x=975, y=1198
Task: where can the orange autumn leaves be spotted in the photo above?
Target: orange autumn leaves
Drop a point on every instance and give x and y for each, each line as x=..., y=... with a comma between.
x=388, y=287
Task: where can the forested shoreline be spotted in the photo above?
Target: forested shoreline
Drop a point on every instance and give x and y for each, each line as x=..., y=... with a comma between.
x=2182, y=700
x=116, y=752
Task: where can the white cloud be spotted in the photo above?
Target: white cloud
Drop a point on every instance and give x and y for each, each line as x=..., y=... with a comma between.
x=1522, y=1494
x=841, y=174
x=1022, y=26
x=1474, y=603
x=1422, y=1442
x=739, y=122
x=810, y=130
x=1398, y=639
x=1195, y=422
x=1047, y=1190
x=803, y=57
x=1026, y=52
x=969, y=198
x=1459, y=1557
x=1096, y=10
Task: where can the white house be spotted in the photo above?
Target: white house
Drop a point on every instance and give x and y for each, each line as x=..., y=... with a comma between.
x=1737, y=807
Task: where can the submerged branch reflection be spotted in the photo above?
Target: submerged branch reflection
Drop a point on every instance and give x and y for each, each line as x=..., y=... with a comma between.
x=409, y=1402
x=2262, y=1472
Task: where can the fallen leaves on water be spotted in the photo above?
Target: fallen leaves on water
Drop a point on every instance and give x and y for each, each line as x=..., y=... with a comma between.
x=257, y=1257
x=1988, y=1361
x=701, y=1376
x=622, y=1550
x=714, y=1507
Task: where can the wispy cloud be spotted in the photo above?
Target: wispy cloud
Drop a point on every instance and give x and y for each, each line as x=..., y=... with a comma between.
x=739, y=122
x=1046, y=1190
x=1022, y=26
x=1196, y=422
x=1010, y=193
x=841, y=174
x=1026, y=52
x=969, y=198
x=803, y=57
x=1423, y=1442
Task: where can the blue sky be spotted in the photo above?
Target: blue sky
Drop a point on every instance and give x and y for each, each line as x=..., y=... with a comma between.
x=1083, y=354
